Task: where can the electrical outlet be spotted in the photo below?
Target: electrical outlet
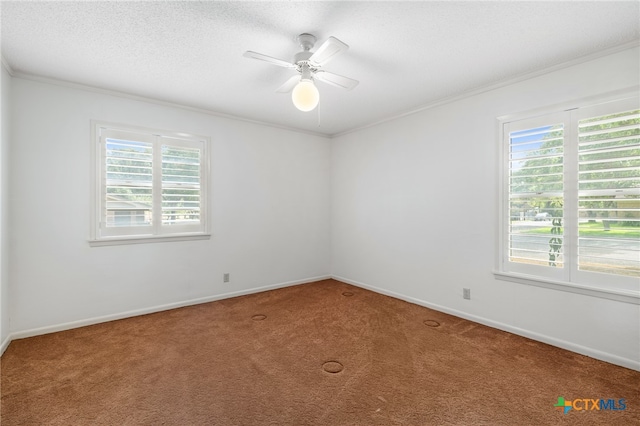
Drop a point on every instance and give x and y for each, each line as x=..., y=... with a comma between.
x=466, y=293
x=225, y=278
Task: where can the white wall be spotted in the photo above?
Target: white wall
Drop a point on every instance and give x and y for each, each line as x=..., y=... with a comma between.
x=414, y=214
x=409, y=209
x=270, y=212
x=5, y=107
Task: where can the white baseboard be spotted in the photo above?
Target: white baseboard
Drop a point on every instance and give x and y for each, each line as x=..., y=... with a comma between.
x=5, y=344
x=106, y=318
x=583, y=350
x=594, y=353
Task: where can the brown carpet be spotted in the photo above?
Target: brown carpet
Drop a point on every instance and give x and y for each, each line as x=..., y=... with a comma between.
x=325, y=353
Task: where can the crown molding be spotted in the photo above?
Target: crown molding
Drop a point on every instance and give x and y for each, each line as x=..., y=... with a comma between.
x=442, y=101
x=494, y=86
x=110, y=92
x=7, y=67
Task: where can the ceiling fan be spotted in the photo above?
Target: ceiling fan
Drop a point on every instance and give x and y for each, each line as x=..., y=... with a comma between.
x=309, y=65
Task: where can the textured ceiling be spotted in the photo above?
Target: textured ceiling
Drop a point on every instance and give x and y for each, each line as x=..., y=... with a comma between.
x=405, y=54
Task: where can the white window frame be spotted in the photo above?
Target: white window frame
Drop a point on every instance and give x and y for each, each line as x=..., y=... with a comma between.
x=569, y=278
x=100, y=235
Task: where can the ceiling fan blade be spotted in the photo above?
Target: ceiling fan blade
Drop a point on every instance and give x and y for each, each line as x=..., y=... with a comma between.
x=289, y=84
x=274, y=61
x=328, y=50
x=336, y=80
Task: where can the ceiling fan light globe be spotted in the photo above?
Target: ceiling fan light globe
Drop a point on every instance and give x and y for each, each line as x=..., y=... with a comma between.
x=305, y=96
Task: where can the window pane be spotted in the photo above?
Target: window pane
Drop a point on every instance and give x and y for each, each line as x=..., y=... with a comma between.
x=180, y=185
x=609, y=194
x=536, y=196
x=128, y=183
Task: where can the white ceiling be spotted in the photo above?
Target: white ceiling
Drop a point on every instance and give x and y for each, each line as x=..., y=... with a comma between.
x=405, y=54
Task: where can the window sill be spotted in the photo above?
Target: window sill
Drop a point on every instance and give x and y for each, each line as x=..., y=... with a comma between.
x=114, y=241
x=627, y=296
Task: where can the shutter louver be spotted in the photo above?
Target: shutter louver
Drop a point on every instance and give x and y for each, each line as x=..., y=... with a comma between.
x=181, y=197
x=129, y=183
x=536, y=196
x=609, y=194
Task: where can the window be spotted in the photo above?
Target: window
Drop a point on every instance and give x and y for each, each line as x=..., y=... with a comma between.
x=149, y=185
x=570, y=198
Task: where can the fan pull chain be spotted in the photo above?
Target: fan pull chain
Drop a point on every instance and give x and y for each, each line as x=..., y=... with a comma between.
x=318, y=115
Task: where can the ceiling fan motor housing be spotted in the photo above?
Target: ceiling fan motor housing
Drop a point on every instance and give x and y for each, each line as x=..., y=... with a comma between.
x=302, y=57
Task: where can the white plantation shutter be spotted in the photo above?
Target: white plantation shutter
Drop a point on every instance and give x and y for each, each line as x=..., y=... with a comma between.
x=609, y=193
x=126, y=195
x=535, y=186
x=149, y=184
x=129, y=183
x=181, y=184
x=571, y=198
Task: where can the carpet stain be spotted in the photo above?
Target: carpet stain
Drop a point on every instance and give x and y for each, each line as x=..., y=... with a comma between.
x=432, y=323
x=332, y=367
x=259, y=317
